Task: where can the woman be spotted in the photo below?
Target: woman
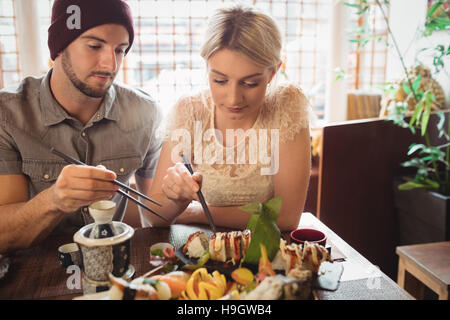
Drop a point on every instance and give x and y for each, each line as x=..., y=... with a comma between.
x=247, y=139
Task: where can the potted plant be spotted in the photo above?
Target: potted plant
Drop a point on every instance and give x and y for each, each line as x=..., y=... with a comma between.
x=423, y=199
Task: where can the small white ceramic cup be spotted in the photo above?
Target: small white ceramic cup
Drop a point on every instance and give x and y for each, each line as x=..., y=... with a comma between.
x=69, y=254
x=102, y=211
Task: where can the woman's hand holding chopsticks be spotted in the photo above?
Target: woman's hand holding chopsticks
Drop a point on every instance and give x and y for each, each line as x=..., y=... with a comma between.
x=79, y=186
x=179, y=185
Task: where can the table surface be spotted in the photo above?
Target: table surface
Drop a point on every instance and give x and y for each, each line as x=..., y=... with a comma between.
x=432, y=258
x=35, y=273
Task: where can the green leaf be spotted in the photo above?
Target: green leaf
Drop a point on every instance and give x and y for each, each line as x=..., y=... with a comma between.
x=152, y=282
x=442, y=22
x=423, y=184
x=411, y=185
x=200, y=262
x=340, y=74
x=426, y=117
x=157, y=252
x=440, y=125
x=432, y=184
x=416, y=83
x=414, y=147
x=417, y=114
x=273, y=207
x=264, y=231
x=433, y=9
x=406, y=88
x=352, y=5
x=364, y=9
x=415, y=162
x=252, y=208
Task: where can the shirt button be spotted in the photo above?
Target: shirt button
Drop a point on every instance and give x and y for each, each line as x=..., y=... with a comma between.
x=83, y=134
x=122, y=170
x=46, y=176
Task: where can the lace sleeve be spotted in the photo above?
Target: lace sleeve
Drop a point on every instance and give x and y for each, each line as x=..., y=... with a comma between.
x=291, y=111
x=180, y=117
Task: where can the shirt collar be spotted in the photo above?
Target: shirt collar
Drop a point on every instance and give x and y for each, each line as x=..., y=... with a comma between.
x=53, y=113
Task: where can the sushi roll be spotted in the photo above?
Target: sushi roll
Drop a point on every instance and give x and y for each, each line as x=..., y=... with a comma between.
x=161, y=287
x=233, y=246
x=223, y=246
x=313, y=255
x=123, y=290
x=176, y=280
x=196, y=245
x=229, y=246
x=245, y=241
x=280, y=287
x=217, y=247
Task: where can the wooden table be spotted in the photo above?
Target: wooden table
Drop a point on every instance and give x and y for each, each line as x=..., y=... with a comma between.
x=429, y=263
x=35, y=273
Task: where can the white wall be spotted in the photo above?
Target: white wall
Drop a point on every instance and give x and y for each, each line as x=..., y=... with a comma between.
x=406, y=20
x=336, y=93
x=29, y=42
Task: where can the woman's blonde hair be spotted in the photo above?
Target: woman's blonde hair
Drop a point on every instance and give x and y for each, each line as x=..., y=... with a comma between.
x=245, y=30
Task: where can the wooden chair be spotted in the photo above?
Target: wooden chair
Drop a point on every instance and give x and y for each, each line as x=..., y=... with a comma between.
x=363, y=105
x=428, y=263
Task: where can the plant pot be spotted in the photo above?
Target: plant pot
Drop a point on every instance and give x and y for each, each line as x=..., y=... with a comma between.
x=422, y=216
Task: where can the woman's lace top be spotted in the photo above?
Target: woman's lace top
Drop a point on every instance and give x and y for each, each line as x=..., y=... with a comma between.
x=243, y=173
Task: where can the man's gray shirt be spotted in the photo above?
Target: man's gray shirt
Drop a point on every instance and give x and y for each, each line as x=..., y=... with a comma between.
x=121, y=136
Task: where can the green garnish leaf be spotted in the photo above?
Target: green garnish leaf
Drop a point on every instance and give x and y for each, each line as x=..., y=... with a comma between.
x=157, y=252
x=200, y=262
x=273, y=206
x=253, y=207
x=152, y=282
x=264, y=230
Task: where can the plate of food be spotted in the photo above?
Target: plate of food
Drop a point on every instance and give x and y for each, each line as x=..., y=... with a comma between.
x=262, y=251
x=251, y=264
x=222, y=251
x=226, y=251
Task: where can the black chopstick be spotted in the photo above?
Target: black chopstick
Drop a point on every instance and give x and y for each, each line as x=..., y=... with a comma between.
x=200, y=197
x=71, y=160
x=140, y=204
x=75, y=161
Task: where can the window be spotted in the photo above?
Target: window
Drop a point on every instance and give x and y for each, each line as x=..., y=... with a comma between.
x=368, y=49
x=168, y=34
x=9, y=55
x=165, y=59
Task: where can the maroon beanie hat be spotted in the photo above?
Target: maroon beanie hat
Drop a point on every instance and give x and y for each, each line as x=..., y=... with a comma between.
x=71, y=18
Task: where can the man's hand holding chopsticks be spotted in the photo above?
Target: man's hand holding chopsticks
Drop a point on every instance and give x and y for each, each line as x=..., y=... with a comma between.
x=79, y=186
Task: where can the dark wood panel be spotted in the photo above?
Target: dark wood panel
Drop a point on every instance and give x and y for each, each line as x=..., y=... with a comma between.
x=359, y=160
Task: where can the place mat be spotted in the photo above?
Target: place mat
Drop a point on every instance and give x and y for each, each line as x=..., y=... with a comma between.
x=382, y=289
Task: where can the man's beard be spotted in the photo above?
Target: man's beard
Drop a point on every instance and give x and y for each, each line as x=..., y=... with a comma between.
x=80, y=85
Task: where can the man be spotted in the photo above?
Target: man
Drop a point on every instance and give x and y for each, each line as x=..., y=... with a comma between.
x=78, y=110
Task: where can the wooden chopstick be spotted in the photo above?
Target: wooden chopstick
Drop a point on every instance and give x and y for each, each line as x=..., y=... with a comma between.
x=200, y=197
x=71, y=160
